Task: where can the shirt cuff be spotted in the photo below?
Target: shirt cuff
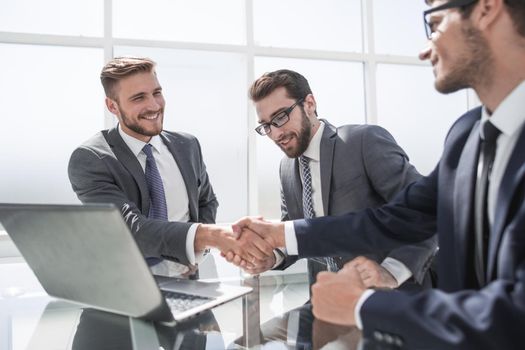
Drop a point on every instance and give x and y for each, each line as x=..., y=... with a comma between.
x=279, y=257
x=357, y=311
x=290, y=239
x=397, y=269
x=190, y=246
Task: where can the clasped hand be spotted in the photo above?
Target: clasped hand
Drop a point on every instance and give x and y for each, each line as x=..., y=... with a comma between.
x=252, y=243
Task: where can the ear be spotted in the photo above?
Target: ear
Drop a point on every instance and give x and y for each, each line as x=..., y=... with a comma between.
x=487, y=12
x=112, y=106
x=310, y=105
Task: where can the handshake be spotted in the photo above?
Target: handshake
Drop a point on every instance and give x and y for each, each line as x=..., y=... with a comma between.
x=248, y=243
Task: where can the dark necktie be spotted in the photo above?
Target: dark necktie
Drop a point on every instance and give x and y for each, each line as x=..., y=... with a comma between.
x=308, y=207
x=485, y=162
x=158, y=208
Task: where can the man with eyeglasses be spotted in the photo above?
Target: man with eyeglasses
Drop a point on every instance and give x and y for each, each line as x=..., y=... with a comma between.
x=332, y=171
x=474, y=200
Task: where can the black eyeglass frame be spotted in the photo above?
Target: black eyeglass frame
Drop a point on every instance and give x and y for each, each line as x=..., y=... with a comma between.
x=448, y=5
x=265, y=128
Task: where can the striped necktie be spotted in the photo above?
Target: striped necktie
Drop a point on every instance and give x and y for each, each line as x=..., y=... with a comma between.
x=158, y=208
x=308, y=207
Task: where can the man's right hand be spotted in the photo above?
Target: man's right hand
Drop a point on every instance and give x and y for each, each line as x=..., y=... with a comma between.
x=256, y=267
x=246, y=229
x=250, y=247
x=271, y=232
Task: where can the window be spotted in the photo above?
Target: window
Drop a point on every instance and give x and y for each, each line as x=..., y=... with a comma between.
x=333, y=25
x=52, y=101
x=203, y=21
x=360, y=57
x=415, y=113
x=61, y=17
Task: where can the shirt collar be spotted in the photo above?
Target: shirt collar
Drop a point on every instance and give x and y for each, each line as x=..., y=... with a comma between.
x=314, y=147
x=136, y=145
x=509, y=116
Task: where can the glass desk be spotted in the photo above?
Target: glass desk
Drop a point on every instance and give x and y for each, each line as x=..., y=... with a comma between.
x=273, y=316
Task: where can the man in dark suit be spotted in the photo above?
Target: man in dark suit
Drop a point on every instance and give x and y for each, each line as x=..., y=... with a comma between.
x=474, y=200
x=157, y=178
x=351, y=167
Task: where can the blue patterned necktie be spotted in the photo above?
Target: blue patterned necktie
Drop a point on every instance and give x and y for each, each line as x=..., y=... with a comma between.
x=308, y=207
x=158, y=208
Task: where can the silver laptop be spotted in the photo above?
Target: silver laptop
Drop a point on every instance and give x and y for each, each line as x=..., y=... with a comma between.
x=86, y=254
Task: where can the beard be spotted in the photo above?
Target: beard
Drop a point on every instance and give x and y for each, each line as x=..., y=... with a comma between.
x=472, y=66
x=303, y=138
x=134, y=125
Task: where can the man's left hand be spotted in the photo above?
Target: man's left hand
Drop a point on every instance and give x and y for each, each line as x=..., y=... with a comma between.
x=335, y=295
x=372, y=274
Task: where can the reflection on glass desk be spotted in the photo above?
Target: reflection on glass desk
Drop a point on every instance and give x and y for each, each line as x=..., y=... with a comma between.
x=273, y=316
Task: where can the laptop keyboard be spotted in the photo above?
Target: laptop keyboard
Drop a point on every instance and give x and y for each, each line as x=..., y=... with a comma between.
x=179, y=302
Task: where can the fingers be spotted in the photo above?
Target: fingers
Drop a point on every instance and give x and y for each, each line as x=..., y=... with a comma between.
x=245, y=222
x=228, y=256
x=371, y=273
x=254, y=267
x=356, y=261
x=258, y=242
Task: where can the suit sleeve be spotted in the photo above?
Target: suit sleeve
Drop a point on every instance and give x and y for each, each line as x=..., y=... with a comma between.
x=491, y=318
x=288, y=260
x=389, y=171
x=208, y=203
x=409, y=218
x=92, y=180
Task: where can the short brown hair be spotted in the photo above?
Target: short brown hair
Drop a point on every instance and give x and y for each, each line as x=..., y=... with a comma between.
x=296, y=85
x=122, y=67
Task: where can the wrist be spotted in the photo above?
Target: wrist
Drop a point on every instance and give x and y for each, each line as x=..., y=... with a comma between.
x=277, y=236
x=207, y=236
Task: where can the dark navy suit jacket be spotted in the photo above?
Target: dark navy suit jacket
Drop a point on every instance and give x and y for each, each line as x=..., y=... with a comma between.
x=460, y=314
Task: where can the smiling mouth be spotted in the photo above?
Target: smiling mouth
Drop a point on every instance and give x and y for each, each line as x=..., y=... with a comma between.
x=151, y=116
x=285, y=140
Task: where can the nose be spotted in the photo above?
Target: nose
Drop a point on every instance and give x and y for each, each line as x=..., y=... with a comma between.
x=275, y=133
x=425, y=53
x=156, y=103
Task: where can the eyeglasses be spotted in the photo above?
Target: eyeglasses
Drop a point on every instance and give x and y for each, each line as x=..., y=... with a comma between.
x=430, y=27
x=279, y=120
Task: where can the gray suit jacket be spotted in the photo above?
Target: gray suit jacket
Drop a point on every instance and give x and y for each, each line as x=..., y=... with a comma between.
x=104, y=170
x=361, y=167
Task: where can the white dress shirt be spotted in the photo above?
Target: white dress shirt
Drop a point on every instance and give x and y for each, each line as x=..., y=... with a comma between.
x=509, y=118
x=176, y=197
x=395, y=267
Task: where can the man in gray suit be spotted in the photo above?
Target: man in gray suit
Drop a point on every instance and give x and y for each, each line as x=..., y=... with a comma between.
x=349, y=168
x=157, y=178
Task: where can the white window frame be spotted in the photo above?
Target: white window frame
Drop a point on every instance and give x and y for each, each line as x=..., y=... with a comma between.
x=368, y=58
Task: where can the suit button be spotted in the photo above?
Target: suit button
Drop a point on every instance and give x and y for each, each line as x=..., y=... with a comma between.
x=389, y=339
x=398, y=341
x=378, y=336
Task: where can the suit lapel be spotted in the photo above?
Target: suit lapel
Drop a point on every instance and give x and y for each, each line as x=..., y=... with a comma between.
x=130, y=162
x=464, y=185
x=511, y=179
x=327, y=157
x=179, y=150
x=293, y=186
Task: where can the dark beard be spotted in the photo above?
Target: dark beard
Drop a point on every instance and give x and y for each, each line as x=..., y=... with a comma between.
x=472, y=69
x=137, y=128
x=303, y=139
